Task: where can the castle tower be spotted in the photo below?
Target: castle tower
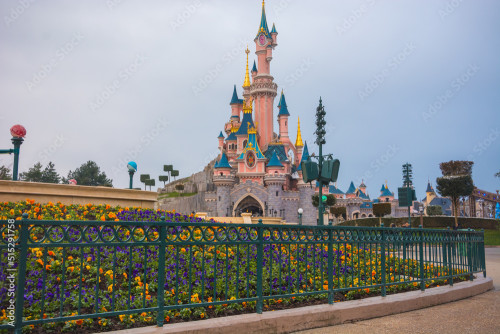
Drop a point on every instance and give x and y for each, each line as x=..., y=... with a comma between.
x=224, y=181
x=263, y=89
x=236, y=106
x=221, y=141
x=283, y=118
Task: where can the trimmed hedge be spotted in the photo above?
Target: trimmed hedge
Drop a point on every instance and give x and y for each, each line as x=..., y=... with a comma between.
x=429, y=222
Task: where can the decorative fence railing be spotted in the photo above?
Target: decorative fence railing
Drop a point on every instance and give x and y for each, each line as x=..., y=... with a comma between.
x=77, y=270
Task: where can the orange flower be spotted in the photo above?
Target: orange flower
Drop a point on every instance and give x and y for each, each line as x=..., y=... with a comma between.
x=103, y=218
x=51, y=253
x=79, y=322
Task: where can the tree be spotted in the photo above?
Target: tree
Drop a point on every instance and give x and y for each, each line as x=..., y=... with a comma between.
x=150, y=182
x=5, y=173
x=434, y=210
x=497, y=175
x=34, y=174
x=338, y=211
x=456, y=182
x=49, y=174
x=174, y=173
x=330, y=200
x=144, y=178
x=163, y=178
x=89, y=174
x=381, y=209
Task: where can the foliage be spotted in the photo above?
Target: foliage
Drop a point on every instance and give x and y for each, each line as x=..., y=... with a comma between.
x=441, y=222
x=456, y=182
x=497, y=174
x=381, y=209
x=143, y=178
x=34, y=174
x=5, y=173
x=163, y=178
x=49, y=174
x=456, y=167
x=338, y=211
x=330, y=200
x=150, y=182
x=179, y=187
x=89, y=174
x=168, y=168
x=174, y=173
x=434, y=210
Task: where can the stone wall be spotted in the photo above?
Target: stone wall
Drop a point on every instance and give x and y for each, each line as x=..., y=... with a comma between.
x=13, y=191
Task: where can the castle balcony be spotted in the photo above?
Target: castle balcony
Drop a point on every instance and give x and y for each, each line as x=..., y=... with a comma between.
x=275, y=178
x=224, y=180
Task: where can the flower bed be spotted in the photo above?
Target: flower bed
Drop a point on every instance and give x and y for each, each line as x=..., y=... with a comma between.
x=219, y=277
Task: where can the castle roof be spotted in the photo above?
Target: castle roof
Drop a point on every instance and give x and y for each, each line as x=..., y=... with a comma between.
x=386, y=192
x=274, y=161
x=254, y=68
x=363, y=195
x=334, y=190
x=221, y=135
x=252, y=145
x=231, y=136
x=298, y=141
x=429, y=188
x=235, y=99
x=263, y=23
x=282, y=106
x=223, y=163
x=279, y=149
x=273, y=30
x=352, y=189
x=383, y=188
x=305, y=156
x=366, y=205
x=362, y=185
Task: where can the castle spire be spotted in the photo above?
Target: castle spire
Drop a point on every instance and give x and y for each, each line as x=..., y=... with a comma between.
x=263, y=22
x=247, y=76
x=298, y=142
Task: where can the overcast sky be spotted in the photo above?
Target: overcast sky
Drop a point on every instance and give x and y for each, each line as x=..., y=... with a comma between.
x=150, y=81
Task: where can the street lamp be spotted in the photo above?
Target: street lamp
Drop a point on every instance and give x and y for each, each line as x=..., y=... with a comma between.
x=18, y=133
x=132, y=168
x=300, y=211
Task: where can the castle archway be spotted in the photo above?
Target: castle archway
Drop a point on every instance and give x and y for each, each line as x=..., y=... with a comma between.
x=248, y=203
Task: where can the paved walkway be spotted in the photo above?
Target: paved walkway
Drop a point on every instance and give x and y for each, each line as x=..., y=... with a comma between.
x=479, y=314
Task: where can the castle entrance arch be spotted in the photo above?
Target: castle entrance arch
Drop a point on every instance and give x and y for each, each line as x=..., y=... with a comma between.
x=248, y=203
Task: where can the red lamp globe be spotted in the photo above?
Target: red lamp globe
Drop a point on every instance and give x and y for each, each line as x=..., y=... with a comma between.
x=18, y=131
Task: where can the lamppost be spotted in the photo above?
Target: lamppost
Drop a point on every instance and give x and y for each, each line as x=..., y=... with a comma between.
x=300, y=211
x=132, y=168
x=18, y=133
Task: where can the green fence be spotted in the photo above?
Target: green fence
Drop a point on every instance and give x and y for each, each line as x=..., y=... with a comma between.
x=79, y=270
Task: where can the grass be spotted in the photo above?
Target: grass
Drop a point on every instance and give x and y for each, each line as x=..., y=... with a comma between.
x=175, y=194
x=492, y=237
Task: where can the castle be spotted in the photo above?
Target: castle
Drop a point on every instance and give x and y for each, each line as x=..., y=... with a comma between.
x=258, y=170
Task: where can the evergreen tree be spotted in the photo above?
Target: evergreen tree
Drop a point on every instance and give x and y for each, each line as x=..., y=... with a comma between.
x=89, y=174
x=49, y=174
x=34, y=174
x=5, y=173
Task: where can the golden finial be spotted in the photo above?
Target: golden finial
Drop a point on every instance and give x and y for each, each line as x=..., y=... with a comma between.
x=247, y=77
x=263, y=3
x=298, y=142
x=386, y=184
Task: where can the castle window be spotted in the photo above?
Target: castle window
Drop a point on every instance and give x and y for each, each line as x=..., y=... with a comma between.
x=221, y=174
x=285, y=123
x=277, y=193
x=219, y=198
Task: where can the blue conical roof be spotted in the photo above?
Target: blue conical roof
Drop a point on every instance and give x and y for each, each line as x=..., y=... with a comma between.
x=273, y=30
x=246, y=123
x=429, y=188
x=234, y=98
x=386, y=193
x=305, y=156
x=383, y=188
x=231, y=136
x=274, y=161
x=263, y=23
x=351, y=189
x=221, y=135
x=254, y=68
x=223, y=163
x=334, y=190
x=282, y=106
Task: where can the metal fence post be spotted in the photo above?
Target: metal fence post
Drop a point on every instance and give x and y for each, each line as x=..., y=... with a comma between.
x=421, y=251
x=21, y=274
x=330, y=265
x=469, y=254
x=382, y=259
x=161, y=274
x=483, y=254
x=260, y=255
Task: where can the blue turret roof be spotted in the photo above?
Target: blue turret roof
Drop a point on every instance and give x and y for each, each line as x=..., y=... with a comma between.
x=252, y=145
x=273, y=30
x=429, y=188
x=279, y=149
x=362, y=195
x=334, y=190
x=254, y=68
x=246, y=122
x=223, y=163
x=383, y=188
x=263, y=23
x=274, y=161
x=282, y=106
x=351, y=189
x=234, y=98
x=221, y=135
x=305, y=156
x=386, y=193
x=231, y=136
